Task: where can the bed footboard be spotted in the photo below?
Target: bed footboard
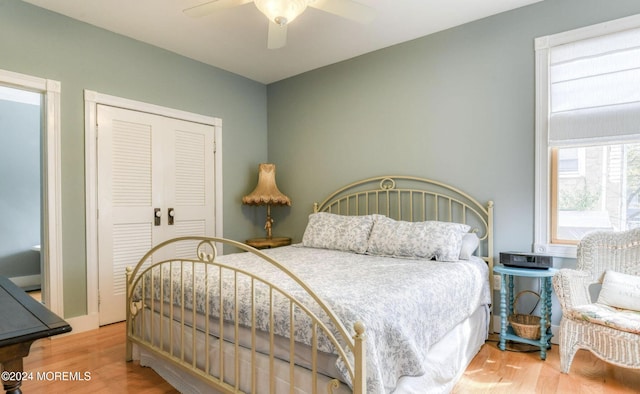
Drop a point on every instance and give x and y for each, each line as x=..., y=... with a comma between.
x=181, y=289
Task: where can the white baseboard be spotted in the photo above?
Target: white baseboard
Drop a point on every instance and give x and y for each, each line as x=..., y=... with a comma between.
x=27, y=282
x=81, y=324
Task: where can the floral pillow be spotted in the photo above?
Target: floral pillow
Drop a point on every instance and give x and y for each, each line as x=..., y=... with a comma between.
x=422, y=240
x=339, y=232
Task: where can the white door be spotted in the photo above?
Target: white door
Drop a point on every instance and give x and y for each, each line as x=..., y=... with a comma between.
x=148, y=166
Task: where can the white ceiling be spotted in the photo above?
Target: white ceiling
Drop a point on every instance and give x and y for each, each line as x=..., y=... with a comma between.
x=236, y=39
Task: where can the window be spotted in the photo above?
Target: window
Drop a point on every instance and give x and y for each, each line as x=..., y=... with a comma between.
x=587, y=133
x=571, y=162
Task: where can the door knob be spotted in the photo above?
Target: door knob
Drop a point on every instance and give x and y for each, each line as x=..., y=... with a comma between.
x=171, y=214
x=157, y=214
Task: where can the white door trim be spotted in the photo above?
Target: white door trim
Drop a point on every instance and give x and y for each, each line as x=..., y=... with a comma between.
x=91, y=100
x=51, y=189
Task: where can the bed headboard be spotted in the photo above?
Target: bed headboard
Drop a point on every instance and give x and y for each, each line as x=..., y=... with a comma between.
x=415, y=199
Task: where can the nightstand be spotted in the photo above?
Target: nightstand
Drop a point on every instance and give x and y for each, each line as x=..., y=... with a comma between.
x=506, y=290
x=267, y=243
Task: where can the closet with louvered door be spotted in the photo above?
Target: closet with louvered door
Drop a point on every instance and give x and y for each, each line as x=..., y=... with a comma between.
x=155, y=182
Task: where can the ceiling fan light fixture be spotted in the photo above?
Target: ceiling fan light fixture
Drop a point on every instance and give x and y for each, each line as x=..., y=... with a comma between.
x=281, y=12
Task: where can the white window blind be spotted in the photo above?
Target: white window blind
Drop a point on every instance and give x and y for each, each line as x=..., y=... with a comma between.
x=595, y=90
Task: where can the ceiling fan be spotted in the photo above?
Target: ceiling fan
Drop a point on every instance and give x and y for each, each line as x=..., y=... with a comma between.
x=282, y=12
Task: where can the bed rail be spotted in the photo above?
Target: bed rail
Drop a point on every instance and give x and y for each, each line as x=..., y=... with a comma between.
x=162, y=287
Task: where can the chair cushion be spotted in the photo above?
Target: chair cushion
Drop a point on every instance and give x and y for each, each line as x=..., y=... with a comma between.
x=605, y=315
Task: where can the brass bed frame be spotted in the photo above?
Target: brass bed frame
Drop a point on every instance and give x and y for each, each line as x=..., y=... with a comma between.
x=399, y=197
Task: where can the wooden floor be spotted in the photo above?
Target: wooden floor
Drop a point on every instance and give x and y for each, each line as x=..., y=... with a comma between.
x=100, y=354
x=494, y=371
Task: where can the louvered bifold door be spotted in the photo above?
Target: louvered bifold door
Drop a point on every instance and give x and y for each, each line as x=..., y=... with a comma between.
x=155, y=182
x=190, y=184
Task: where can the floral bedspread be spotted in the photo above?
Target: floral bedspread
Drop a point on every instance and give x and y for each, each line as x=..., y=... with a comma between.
x=405, y=305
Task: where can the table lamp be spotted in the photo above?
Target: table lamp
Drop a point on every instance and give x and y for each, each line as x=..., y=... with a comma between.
x=266, y=193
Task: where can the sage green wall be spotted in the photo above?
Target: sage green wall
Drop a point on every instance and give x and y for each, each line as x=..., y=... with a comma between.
x=456, y=106
x=37, y=42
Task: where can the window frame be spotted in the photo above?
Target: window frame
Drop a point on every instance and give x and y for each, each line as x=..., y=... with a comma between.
x=543, y=219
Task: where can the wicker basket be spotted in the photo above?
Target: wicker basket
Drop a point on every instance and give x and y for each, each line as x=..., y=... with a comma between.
x=525, y=326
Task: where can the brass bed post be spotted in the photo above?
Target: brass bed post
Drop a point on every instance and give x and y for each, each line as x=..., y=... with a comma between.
x=490, y=246
x=359, y=354
x=129, y=344
x=490, y=226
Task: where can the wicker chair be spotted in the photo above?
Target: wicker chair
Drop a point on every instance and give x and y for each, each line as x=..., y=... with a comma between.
x=598, y=252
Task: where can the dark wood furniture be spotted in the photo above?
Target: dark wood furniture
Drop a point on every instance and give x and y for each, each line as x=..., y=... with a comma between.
x=267, y=243
x=22, y=321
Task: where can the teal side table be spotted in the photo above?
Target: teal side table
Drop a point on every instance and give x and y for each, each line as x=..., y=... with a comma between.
x=506, y=290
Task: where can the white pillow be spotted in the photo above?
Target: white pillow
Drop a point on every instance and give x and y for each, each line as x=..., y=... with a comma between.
x=620, y=290
x=422, y=240
x=470, y=243
x=339, y=232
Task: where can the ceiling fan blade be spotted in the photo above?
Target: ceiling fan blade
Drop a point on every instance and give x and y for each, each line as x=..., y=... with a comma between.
x=277, y=35
x=347, y=9
x=212, y=6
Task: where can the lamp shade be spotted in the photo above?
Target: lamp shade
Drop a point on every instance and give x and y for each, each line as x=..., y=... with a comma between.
x=281, y=11
x=266, y=191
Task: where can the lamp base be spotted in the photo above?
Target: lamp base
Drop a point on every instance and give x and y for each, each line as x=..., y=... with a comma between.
x=267, y=243
x=269, y=223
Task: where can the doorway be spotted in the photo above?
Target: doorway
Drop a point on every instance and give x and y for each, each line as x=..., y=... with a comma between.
x=20, y=190
x=48, y=93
